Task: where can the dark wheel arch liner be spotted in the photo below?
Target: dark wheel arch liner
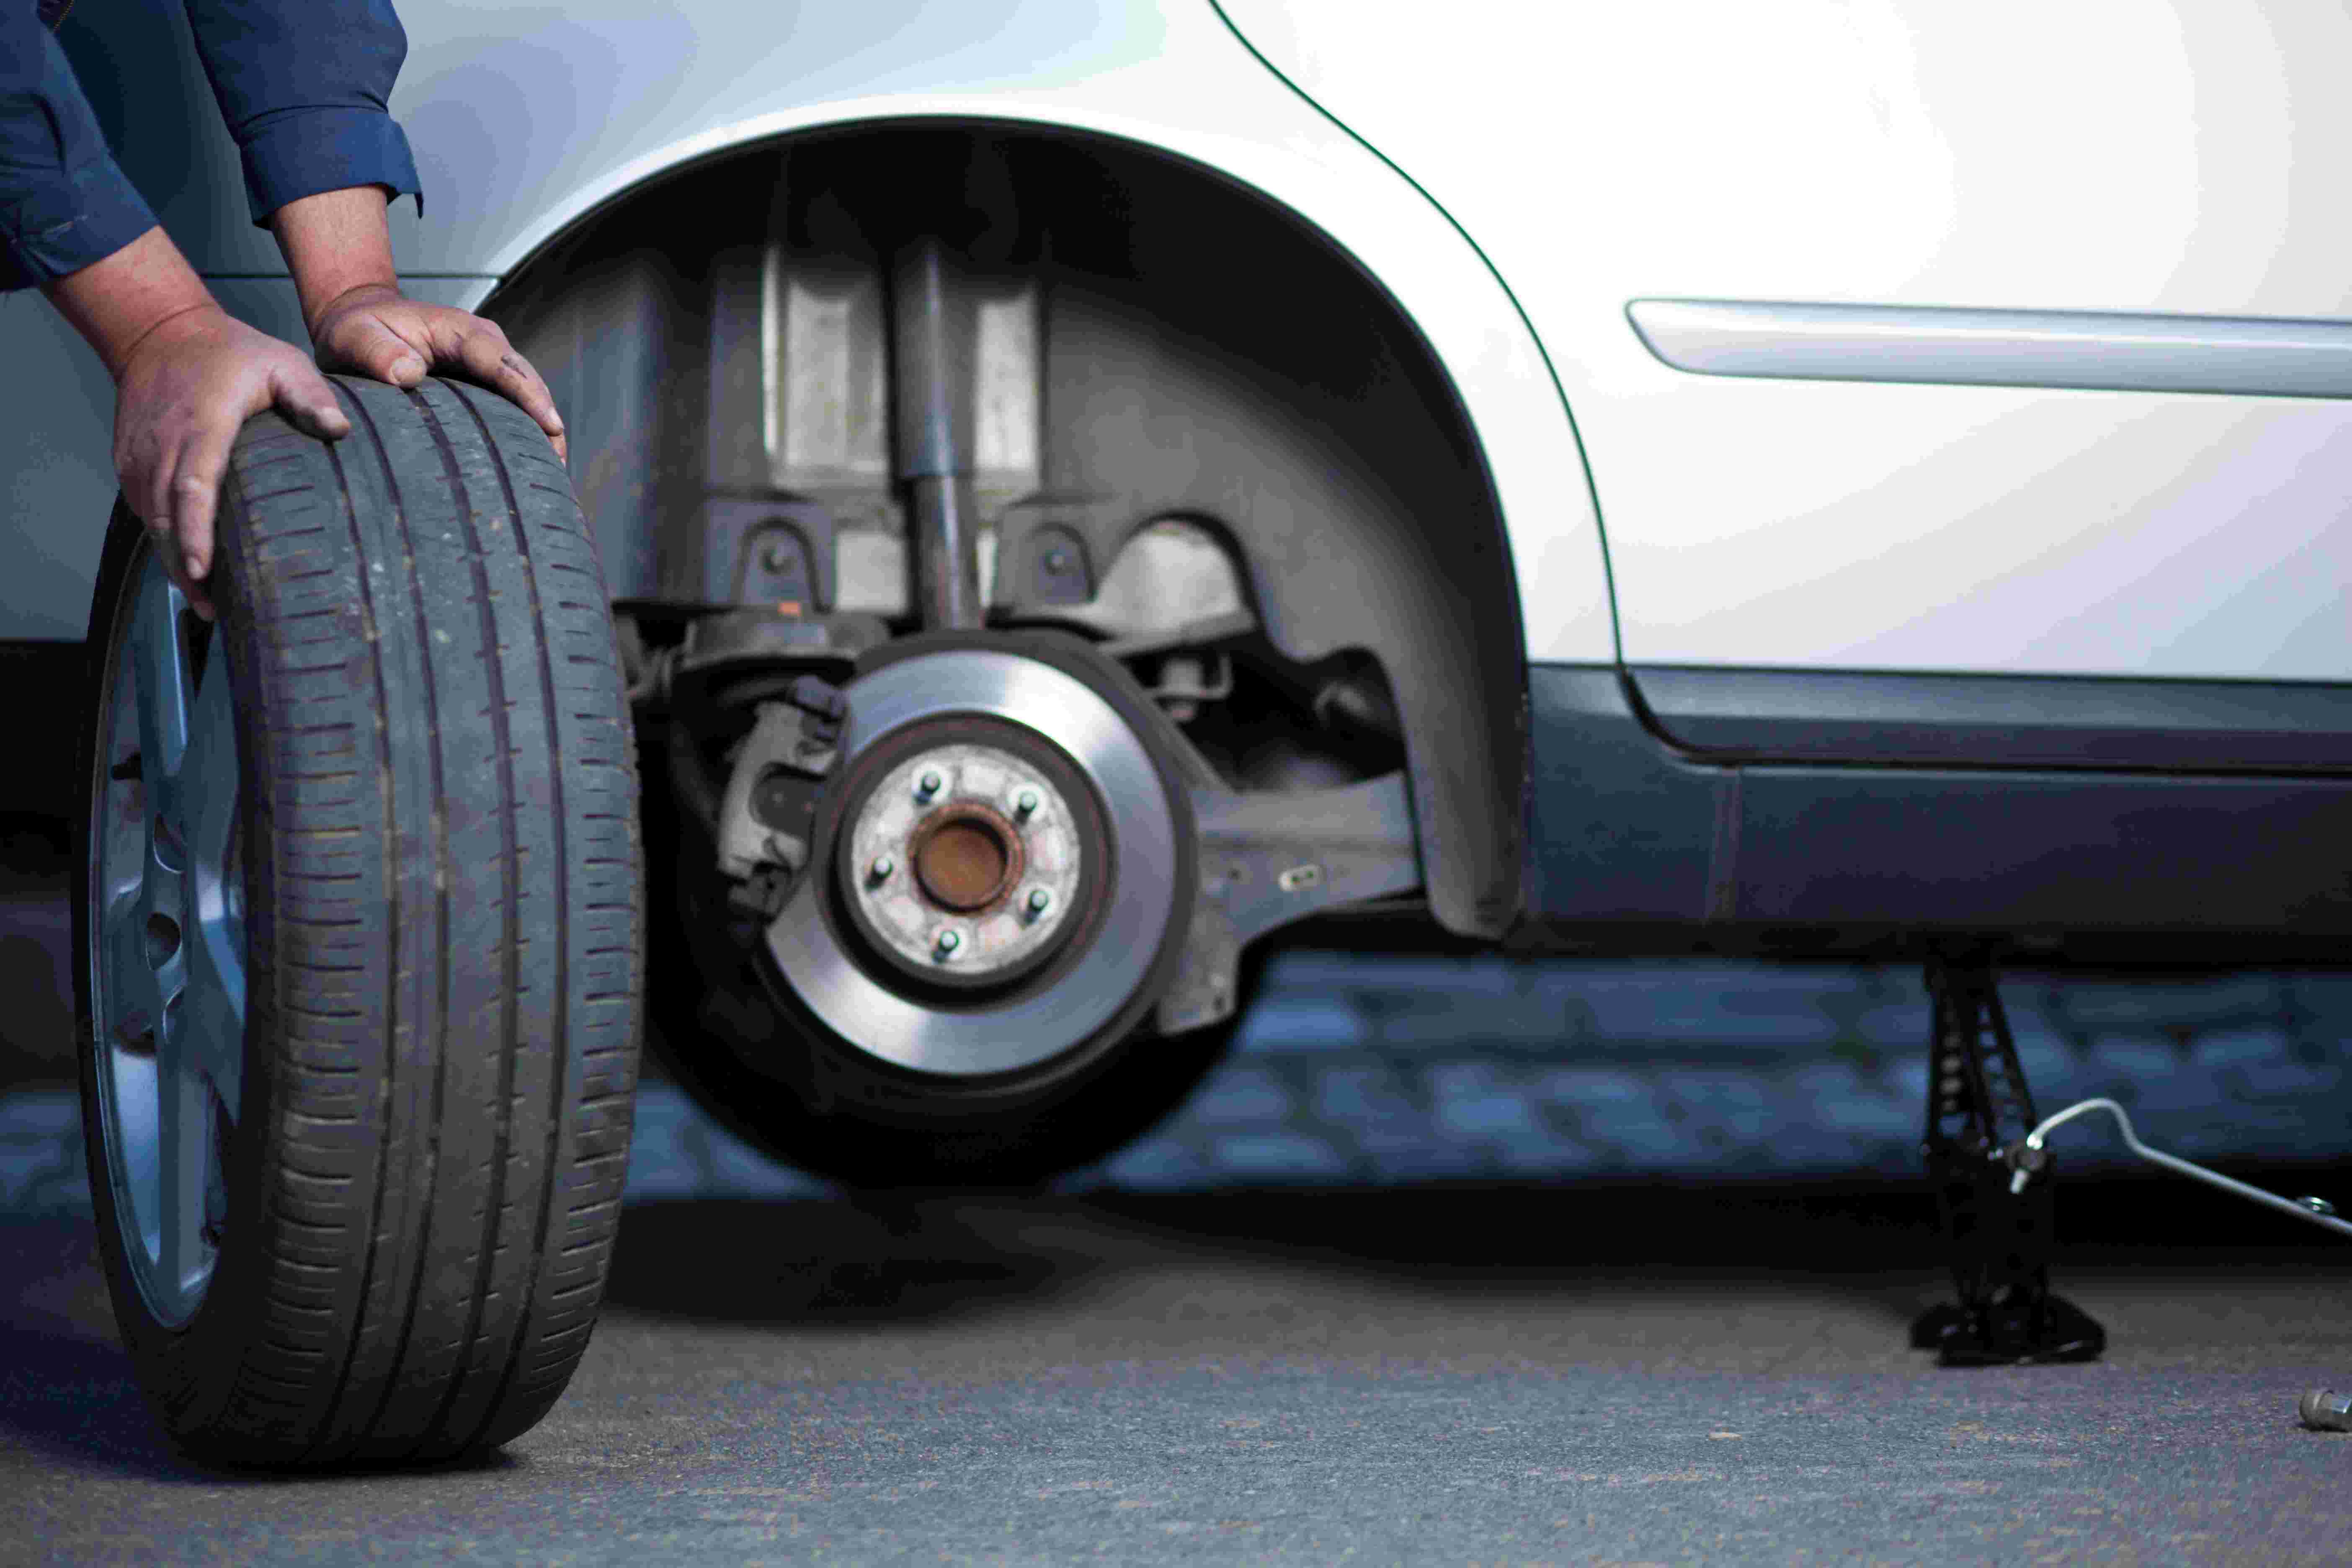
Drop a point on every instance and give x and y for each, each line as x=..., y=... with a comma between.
x=1319, y=431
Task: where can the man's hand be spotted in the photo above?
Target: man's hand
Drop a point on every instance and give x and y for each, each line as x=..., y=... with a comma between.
x=338, y=245
x=187, y=376
x=373, y=330
x=185, y=390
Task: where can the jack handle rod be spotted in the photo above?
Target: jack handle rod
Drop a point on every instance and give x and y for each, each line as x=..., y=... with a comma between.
x=2317, y=1211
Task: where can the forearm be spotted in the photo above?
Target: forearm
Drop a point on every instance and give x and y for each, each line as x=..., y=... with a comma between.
x=335, y=242
x=115, y=302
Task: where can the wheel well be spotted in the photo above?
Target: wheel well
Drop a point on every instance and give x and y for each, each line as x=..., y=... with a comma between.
x=1170, y=344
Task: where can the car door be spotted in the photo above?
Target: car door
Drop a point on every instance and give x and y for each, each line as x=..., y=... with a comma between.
x=1835, y=215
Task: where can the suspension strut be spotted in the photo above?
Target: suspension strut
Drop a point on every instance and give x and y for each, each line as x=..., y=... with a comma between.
x=934, y=328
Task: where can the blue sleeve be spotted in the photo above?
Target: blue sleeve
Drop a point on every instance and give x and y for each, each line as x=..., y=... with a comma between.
x=303, y=85
x=64, y=204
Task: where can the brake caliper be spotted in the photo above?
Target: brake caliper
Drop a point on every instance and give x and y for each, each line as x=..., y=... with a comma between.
x=766, y=822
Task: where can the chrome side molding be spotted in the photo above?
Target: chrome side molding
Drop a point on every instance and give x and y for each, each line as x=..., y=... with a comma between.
x=2091, y=350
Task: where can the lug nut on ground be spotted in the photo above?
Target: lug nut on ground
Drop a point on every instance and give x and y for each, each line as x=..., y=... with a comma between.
x=2323, y=1411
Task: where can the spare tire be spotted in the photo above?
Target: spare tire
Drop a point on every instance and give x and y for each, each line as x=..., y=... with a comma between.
x=358, y=930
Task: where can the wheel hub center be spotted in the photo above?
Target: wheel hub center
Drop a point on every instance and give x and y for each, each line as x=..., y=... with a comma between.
x=966, y=856
x=965, y=862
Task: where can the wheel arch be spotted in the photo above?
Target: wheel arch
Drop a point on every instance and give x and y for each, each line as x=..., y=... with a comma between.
x=1324, y=430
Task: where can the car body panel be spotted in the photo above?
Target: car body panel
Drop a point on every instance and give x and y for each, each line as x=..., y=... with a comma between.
x=2174, y=159
x=526, y=118
x=1637, y=847
x=2006, y=721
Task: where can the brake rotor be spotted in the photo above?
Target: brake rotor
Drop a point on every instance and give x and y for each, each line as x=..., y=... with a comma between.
x=999, y=866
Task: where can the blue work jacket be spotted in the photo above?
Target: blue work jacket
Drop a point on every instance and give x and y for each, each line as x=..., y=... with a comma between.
x=303, y=84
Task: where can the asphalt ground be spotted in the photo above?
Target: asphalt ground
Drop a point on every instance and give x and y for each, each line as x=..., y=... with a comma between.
x=1456, y=1261
x=1664, y=1372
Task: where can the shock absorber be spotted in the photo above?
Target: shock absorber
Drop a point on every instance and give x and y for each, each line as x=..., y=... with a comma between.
x=934, y=328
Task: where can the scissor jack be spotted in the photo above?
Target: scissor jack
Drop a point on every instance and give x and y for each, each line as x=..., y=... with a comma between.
x=1993, y=1188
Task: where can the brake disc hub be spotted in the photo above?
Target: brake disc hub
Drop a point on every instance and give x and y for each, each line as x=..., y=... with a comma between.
x=1001, y=858
x=965, y=858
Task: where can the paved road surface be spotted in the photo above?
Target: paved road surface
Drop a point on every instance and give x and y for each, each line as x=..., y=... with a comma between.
x=1574, y=1374
x=1289, y=1326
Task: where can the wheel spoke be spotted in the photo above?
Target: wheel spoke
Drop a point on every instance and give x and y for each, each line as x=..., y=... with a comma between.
x=211, y=1029
x=159, y=672
x=208, y=772
x=186, y=1136
x=213, y=1022
x=135, y=1006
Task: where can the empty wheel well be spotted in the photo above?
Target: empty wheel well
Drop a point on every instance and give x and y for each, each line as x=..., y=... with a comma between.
x=1157, y=341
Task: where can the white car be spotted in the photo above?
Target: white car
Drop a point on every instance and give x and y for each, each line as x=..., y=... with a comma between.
x=1081, y=485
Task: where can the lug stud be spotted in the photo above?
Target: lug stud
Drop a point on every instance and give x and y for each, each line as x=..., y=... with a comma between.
x=1040, y=901
x=881, y=868
x=928, y=785
x=948, y=943
x=1025, y=804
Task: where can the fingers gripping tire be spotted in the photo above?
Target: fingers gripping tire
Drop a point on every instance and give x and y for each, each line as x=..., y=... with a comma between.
x=374, y=1224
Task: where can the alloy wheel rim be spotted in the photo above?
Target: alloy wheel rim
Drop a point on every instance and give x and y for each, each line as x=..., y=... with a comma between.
x=167, y=944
